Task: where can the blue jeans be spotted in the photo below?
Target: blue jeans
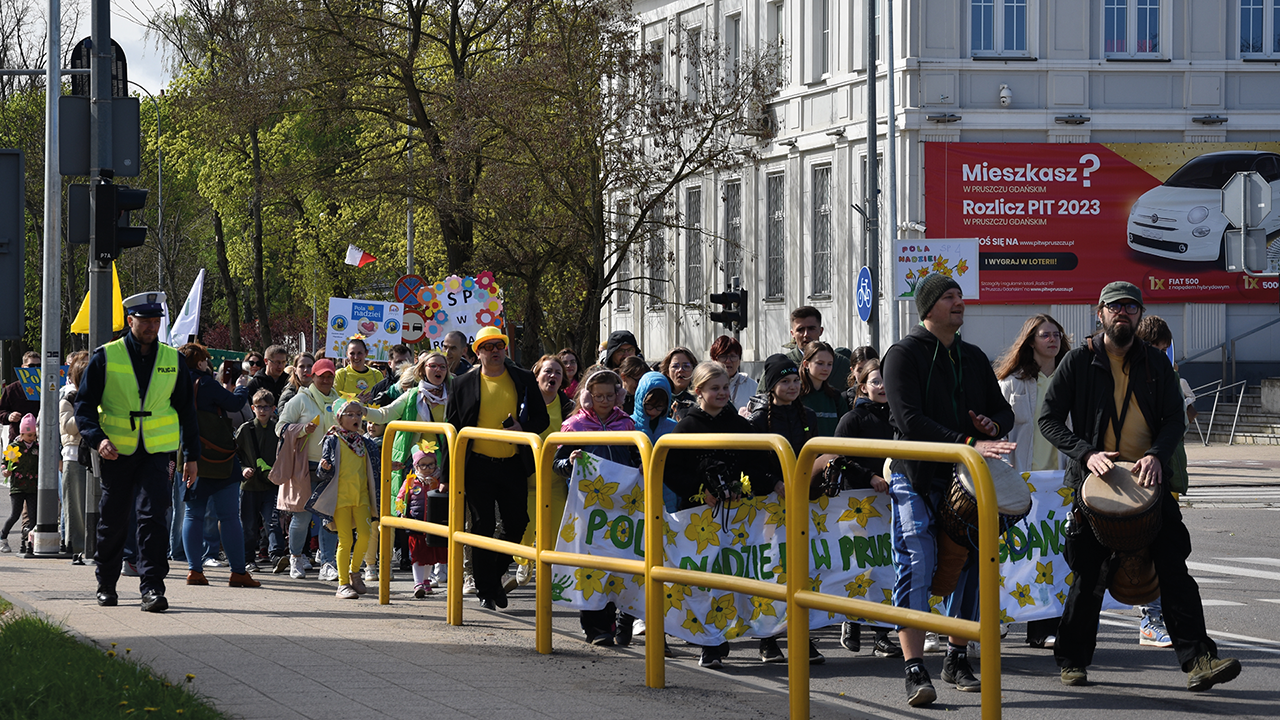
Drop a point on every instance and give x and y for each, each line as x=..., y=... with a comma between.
x=175, y=526
x=226, y=506
x=298, y=533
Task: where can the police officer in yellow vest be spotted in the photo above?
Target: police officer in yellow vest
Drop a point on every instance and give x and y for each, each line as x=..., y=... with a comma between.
x=134, y=402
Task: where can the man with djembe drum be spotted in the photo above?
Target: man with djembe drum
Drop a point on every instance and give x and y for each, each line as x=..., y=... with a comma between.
x=1126, y=411
x=941, y=389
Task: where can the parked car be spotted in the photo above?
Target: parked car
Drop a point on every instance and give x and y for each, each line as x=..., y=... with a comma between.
x=1182, y=219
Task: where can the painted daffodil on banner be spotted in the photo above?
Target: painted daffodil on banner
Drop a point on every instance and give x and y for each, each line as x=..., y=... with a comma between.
x=675, y=597
x=614, y=584
x=860, y=510
x=633, y=502
x=762, y=606
x=722, y=611
x=1044, y=573
x=746, y=509
x=1022, y=593
x=692, y=624
x=859, y=586
x=590, y=581
x=598, y=492
x=703, y=529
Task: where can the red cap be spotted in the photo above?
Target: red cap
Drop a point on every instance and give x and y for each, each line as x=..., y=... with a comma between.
x=323, y=365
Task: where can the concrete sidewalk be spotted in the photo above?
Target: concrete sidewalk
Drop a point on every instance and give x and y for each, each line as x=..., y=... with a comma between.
x=1218, y=464
x=290, y=649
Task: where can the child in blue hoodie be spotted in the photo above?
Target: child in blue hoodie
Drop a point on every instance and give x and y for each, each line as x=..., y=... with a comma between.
x=653, y=399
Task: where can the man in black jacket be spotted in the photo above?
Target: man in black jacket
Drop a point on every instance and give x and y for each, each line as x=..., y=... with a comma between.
x=496, y=395
x=1124, y=403
x=941, y=389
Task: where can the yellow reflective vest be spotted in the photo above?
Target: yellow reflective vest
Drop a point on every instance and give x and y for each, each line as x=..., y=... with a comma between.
x=125, y=416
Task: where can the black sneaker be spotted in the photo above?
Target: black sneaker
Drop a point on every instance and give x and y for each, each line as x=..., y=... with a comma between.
x=815, y=657
x=919, y=687
x=626, y=625
x=851, y=637
x=604, y=639
x=887, y=648
x=957, y=671
x=770, y=652
x=486, y=603
x=710, y=658
x=108, y=598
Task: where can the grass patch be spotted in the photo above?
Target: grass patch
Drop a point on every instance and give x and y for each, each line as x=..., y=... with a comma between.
x=48, y=674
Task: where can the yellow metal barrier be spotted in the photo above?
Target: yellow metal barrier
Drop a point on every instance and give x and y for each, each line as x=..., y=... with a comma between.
x=387, y=523
x=547, y=532
x=457, y=497
x=656, y=573
x=987, y=630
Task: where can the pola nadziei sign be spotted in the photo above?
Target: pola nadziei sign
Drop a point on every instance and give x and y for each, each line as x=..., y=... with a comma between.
x=1055, y=223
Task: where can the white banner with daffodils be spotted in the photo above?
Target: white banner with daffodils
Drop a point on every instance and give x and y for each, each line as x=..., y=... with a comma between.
x=851, y=554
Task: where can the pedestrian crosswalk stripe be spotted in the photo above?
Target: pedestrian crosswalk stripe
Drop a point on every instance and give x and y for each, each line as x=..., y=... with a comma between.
x=1230, y=570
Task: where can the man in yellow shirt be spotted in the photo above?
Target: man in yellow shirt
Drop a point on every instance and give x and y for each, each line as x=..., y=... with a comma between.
x=1124, y=403
x=357, y=378
x=498, y=395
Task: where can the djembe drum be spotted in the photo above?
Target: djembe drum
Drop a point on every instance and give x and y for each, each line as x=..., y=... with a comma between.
x=958, y=517
x=1125, y=517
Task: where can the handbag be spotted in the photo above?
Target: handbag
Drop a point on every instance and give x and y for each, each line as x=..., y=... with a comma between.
x=217, y=442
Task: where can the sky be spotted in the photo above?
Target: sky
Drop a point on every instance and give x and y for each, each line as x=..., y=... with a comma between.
x=145, y=59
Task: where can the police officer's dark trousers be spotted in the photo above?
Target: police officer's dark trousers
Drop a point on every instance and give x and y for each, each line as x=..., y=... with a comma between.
x=140, y=481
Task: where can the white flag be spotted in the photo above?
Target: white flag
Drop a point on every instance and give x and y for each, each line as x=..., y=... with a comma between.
x=187, y=324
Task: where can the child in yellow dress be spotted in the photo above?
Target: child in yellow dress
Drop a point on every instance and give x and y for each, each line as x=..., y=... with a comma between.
x=349, y=493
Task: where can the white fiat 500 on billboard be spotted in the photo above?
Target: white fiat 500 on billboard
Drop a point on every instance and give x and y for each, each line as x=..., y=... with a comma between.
x=1182, y=219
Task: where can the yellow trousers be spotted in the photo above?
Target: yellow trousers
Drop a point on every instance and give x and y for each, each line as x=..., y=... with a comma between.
x=347, y=519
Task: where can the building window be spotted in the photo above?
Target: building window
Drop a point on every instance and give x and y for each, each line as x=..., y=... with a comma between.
x=693, y=65
x=732, y=47
x=732, y=232
x=819, y=39
x=693, y=244
x=998, y=27
x=775, y=235
x=657, y=265
x=622, y=295
x=1259, y=28
x=821, y=230
x=656, y=79
x=1131, y=28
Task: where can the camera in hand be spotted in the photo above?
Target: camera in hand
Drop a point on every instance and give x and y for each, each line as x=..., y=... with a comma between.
x=833, y=476
x=720, y=480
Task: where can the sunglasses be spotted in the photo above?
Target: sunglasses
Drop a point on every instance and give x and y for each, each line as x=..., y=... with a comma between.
x=492, y=347
x=255, y=363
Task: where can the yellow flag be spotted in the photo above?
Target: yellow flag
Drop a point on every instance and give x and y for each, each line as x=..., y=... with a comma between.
x=81, y=323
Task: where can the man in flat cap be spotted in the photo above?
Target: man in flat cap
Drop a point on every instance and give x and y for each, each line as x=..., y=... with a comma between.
x=1124, y=403
x=133, y=403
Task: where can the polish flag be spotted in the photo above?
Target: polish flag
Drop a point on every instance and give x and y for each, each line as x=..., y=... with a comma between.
x=358, y=257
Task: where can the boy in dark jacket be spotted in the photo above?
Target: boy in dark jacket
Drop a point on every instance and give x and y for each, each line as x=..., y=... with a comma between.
x=256, y=444
x=941, y=389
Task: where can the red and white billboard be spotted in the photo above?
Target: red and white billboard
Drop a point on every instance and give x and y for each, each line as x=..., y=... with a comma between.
x=1055, y=223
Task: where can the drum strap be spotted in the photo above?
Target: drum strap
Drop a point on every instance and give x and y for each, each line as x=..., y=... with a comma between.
x=1117, y=423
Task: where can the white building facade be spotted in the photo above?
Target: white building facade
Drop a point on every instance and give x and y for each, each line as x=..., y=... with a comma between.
x=1071, y=71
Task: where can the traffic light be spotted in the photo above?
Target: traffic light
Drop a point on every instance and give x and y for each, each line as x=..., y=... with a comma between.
x=734, y=315
x=112, y=231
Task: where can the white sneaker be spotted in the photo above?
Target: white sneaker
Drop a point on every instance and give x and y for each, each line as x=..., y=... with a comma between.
x=371, y=573
x=469, y=585
x=508, y=583
x=4, y=547
x=524, y=573
x=213, y=562
x=306, y=562
x=439, y=575
x=296, y=569
x=934, y=644
x=345, y=592
x=637, y=627
x=328, y=572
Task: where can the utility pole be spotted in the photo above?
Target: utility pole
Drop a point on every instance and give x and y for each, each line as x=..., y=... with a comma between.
x=889, y=291
x=45, y=540
x=100, y=169
x=873, y=180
